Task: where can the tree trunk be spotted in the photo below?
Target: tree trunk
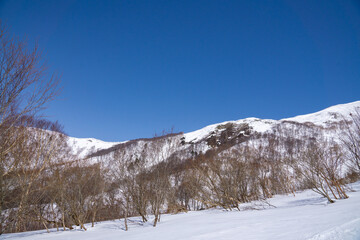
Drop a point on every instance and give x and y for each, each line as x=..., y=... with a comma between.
x=125, y=219
x=93, y=219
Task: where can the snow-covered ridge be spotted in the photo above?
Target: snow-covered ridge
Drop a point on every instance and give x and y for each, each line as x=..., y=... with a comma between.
x=257, y=124
x=323, y=118
x=85, y=146
x=329, y=115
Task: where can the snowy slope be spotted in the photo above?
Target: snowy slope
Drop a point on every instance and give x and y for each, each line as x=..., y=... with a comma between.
x=304, y=216
x=85, y=146
x=258, y=125
x=329, y=115
x=324, y=118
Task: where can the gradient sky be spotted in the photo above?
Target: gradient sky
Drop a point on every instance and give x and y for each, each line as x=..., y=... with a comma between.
x=131, y=69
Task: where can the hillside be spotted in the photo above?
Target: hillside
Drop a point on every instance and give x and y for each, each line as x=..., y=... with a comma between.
x=330, y=122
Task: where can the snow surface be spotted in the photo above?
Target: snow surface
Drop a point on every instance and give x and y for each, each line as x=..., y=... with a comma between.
x=304, y=216
x=331, y=114
x=85, y=146
x=323, y=118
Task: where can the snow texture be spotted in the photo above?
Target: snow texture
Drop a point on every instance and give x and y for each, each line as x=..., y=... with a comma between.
x=85, y=146
x=332, y=114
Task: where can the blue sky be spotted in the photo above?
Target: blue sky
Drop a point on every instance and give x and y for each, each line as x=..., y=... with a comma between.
x=131, y=69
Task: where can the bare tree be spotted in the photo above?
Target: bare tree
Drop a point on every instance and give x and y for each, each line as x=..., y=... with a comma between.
x=126, y=181
x=25, y=89
x=34, y=153
x=319, y=165
x=224, y=180
x=351, y=142
x=158, y=189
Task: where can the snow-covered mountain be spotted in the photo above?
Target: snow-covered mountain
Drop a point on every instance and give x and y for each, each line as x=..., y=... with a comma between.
x=330, y=115
x=85, y=146
x=324, y=118
x=331, y=121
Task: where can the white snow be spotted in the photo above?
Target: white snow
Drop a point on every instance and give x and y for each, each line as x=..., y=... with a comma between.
x=304, y=216
x=85, y=146
x=323, y=118
x=331, y=114
x=328, y=115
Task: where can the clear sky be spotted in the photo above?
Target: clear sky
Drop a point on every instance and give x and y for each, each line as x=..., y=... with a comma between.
x=134, y=68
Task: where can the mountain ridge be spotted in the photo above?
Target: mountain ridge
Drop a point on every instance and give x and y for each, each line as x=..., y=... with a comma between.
x=324, y=118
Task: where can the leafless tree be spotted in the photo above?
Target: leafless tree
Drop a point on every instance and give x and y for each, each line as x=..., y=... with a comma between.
x=34, y=153
x=126, y=181
x=158, y=189
x=25, y=89
x=319, y=165
x=351, y=142
x=224, y=180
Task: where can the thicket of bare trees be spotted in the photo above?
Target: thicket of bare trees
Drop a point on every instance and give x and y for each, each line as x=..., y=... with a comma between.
x=319, y=166
x=241, y=174
x=50, y=187
x=33, y=153
x=143, y=188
